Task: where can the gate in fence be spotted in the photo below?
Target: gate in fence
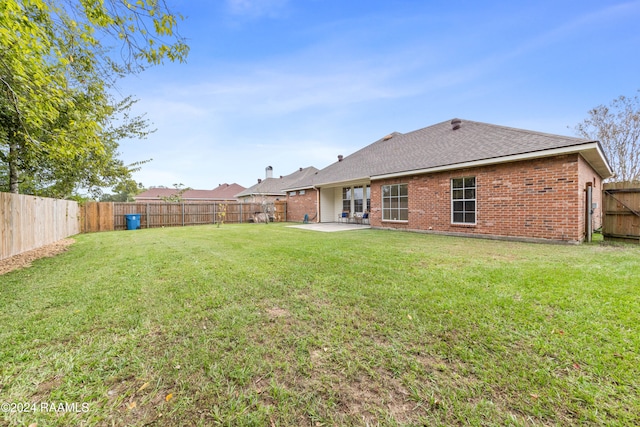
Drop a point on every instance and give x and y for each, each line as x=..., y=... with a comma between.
x=621, y=207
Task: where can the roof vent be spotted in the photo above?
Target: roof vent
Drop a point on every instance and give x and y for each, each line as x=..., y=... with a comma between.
x=455, y=124
x=340, y=157
x=388, y=137
x=259, y=180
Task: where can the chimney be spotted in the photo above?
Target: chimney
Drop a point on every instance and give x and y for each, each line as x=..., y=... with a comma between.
x=268, y=172
x=455, y=124
x=340, y=157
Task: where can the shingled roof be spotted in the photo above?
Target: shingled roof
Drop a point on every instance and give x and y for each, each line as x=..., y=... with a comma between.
x=277, y=186
x=441, y=147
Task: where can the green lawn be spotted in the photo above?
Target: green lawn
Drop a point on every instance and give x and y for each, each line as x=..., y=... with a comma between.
x=266, y=325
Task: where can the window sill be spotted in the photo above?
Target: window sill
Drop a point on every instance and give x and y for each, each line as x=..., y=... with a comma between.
x=396, y=221
x=463, y=225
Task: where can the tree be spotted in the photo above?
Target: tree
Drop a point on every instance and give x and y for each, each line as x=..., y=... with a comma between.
x=59, y=125
x=125, y=191
x=617, y=127
x=177, y=196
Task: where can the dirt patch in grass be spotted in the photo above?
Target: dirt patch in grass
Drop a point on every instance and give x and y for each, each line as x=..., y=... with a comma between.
x=368, y=397
x=276, y=312
x=45, y=388
x=25, y=259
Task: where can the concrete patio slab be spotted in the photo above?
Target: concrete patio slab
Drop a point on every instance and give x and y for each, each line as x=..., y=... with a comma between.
x=330, y=227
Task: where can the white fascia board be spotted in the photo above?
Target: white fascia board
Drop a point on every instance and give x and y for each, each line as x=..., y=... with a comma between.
x=357, y=181
x=497, y=160
x=604, y=159
x=307, y=187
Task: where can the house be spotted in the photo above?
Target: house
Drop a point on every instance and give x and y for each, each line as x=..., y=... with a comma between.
x=222, y=193
x=270, y=189
x=463, y=177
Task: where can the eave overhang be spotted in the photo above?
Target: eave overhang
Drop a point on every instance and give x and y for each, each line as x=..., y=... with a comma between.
x=591, y=152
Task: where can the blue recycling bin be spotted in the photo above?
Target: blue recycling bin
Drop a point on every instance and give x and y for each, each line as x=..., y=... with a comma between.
x=133, y=221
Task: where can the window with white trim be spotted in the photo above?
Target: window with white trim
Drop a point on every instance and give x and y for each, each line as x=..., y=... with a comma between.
x=346, y=199
x=395, y=202
x=358, y=194
x=463, y=200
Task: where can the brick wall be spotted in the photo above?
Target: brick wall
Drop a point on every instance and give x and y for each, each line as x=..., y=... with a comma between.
x=539, y=199
x=301, y=204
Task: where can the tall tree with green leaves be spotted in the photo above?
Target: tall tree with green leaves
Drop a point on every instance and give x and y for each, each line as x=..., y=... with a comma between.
x=125, y=191
x=617, y=127
x=60, y=125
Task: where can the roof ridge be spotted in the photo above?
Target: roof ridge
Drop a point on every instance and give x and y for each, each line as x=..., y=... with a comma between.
x=437, y=145
x=522, y=130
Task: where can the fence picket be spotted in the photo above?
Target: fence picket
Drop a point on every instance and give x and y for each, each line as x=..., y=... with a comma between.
x=29, y=222
x=165, y=214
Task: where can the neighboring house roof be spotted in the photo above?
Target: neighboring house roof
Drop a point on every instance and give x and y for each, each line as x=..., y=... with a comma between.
x=440, y=147
x=228, y=191
x=222, y=192
x=277, y=186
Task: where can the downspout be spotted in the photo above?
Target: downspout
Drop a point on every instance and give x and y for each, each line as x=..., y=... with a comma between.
x=317, y=204
x=589, y=212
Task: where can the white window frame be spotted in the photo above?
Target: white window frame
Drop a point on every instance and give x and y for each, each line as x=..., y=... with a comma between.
x=397, y=209
x=351, y=200
x=464, y=200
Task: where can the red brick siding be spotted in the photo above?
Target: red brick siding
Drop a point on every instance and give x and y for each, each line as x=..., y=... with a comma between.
x=537, y=199
x=299, y=205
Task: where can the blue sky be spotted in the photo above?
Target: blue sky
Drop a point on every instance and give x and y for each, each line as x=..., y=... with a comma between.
x=294, y=83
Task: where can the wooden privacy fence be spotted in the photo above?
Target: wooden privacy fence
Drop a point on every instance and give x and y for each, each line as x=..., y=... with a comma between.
x=29, y=222
x=621, y=207
x=107, y=216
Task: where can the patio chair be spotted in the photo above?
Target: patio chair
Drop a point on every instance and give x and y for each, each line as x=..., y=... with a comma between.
x=344, y=217
x=361, y=218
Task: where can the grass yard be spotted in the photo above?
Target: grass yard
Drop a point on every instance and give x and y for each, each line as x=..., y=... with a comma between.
x=266, y=325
